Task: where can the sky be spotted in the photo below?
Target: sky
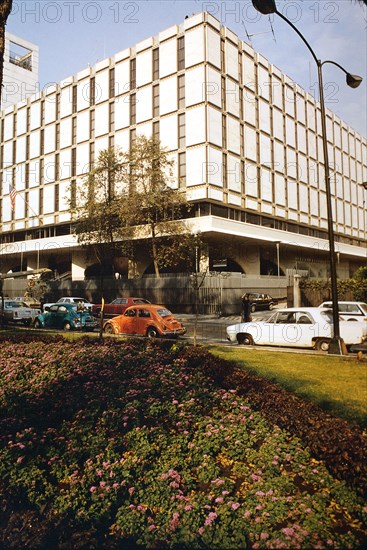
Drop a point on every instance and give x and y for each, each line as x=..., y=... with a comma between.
x=72, y=34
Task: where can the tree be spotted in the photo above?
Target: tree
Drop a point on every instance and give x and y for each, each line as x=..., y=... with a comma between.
x=126, y=202
x=5, y=9
x=154, y=208
x=97, y=207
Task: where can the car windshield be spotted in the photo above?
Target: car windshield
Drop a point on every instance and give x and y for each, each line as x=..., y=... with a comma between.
x=16, y=304
x=364, y=308
x=164, y=312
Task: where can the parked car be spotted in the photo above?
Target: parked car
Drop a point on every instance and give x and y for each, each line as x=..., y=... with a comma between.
x=261, y=301
x=117, y=306
x=16, y=311
x=350, y=311
x=66, y=317
x=70, y=300
x=307, y=327
x=149, y=320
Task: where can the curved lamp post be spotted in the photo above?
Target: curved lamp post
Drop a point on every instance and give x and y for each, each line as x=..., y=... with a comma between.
x=266, y=7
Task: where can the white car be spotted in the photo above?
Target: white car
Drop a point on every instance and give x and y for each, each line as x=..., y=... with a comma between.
x=305, y=327
x=16, y=311
x=70, y=300
x=350, y=311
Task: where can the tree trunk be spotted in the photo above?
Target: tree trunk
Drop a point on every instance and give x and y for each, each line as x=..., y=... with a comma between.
x=154, y=254
x=5, y=9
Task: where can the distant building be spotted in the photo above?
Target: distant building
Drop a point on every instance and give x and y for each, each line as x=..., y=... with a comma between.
x=245, y=138
x=20, y=78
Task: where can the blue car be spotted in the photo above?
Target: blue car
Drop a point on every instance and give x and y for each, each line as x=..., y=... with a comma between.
x=66, y=317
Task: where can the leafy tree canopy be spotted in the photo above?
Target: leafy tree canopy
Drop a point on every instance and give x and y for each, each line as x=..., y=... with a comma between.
x=130, y=198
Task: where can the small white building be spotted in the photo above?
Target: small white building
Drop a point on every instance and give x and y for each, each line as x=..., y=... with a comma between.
x=245, y=138
x=20, y=76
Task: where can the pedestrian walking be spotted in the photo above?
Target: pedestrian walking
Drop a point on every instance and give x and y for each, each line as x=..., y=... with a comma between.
x=246, y=308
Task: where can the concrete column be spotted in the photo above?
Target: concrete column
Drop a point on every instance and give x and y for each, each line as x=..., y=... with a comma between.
x=296, y=291
x=77, y=266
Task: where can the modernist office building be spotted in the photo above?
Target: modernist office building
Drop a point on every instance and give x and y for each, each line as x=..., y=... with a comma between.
x=246, y=141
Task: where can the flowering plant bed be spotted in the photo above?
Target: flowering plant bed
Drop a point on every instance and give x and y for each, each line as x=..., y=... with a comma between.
x=107, y=445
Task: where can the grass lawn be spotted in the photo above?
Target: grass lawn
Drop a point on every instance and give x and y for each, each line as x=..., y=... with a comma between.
x=338, y=385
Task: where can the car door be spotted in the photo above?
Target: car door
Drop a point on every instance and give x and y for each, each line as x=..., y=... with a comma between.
x=285, y=331
x=50, y=316
x=143, y=321
x=129, y=322
x=306, y=328
x=60, y=315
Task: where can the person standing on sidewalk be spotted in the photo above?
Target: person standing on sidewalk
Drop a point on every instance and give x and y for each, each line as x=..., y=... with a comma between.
x=246, y=307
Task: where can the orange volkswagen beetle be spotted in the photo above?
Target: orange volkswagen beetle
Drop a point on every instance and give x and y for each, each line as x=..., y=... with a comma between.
x=148, y=320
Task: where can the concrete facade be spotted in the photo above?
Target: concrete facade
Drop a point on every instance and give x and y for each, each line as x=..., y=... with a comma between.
x=245, y=139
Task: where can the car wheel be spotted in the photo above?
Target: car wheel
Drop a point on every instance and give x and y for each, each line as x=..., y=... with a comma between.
x=152, y=332
x=245, y=339
x=253, y=308
x=37, y=324
x=109, y=329
x=67, y=325
x=271, y=306
x=322, y=344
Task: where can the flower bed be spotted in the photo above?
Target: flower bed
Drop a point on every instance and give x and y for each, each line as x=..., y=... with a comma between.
x=103, y=443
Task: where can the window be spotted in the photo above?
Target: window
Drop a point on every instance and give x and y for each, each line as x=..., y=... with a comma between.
x=181, y=91
x=224, y=131
x=74, y=99
x=223, y=85
x=56, y=203
x=41, y=201
x=92, y=91
x=155, y=101
x=225, y=179
x=112, y=117
x=144, y=313
x=73, y=129
x=222, y=56
x=130, y=313
x=156, y=130
x=156, y=64
x=92, y=123
x=112, y=83
x=181, y=131
x=132, y=74
x=181, y=53
x=73, y=162
x=57, y=136
x=182, y=169
x=132, y=109
x=57, y=167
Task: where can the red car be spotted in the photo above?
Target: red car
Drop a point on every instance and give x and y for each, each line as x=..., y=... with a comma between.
x=117, y=307
x=149, y=320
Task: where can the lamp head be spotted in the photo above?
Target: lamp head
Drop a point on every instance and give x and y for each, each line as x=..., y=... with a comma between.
x=264, y=6
x=353, y=80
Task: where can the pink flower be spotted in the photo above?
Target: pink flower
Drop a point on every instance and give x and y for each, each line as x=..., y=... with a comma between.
x=93, y=489
x=264, y=536
x=151, y=527
x=131, y=490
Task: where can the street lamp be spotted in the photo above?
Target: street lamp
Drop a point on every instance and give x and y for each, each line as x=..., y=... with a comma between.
x=266, y=7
